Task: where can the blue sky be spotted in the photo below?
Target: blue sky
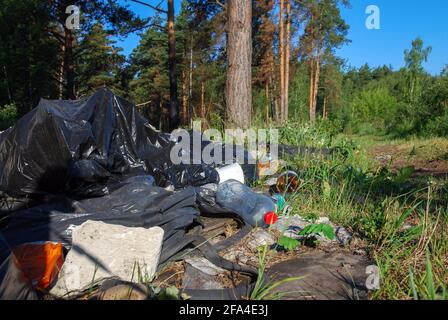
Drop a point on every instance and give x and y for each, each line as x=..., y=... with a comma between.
x=401, y=22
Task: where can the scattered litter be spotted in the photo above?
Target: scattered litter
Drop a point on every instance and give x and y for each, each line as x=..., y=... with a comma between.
x=251, y=206
x=270, y=218
x=39, y=262
x=279, y=201
x=14, y=285
x=231, y=172
x=197, y=279
x=204, y=265
x=267, y=166
x=287, y=182
x=343, y=236
x=259, y=238
x=291, y=226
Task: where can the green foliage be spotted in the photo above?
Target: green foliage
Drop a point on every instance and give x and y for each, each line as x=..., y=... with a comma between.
x=170, y=293
x=28, y=54
x=322, y=134
x=414, y=60
x=321, y=229
x=399, y=103
x=398, y=214
x=8, y=116
x=311, y=216
x=428, y=291
x=374, y=106
x=436, y=100
x=308, y=233
x=298, y=94
x=150, y=82
x=346, y=147
x=100, y=63
x=288, y=243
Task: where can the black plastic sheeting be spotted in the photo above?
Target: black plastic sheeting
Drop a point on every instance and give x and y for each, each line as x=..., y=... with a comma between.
x=67, y=162
x=136, y=204
x=13, y=283
x=77, y=146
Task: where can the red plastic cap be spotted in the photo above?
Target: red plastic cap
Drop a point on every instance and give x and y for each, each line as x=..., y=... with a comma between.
x=270, y=218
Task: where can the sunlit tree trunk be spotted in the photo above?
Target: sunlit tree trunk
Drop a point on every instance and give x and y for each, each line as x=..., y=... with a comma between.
x=312, y=111
x=316, y=81
x=282, y=59
x=287, y=58
x=239, y=54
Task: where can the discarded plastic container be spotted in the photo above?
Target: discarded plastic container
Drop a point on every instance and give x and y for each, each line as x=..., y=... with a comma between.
x=39, y=262
x=280, y=201
x=288, y=182
x=267, y=166
x=270, y=218
x=251, y=206
x=231, y=172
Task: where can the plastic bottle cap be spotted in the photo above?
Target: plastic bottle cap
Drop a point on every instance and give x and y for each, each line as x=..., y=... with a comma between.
x=270, y=218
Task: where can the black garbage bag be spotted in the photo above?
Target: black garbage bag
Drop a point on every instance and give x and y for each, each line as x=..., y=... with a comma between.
x=13, y=283
x=137, y=203
x=76, y=146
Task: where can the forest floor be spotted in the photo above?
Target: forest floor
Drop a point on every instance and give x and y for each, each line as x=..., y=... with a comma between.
x=427, y=157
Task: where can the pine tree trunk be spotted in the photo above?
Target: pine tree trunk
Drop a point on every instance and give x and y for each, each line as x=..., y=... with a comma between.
x=69, y=64
x=190, y=84
x=311, y=91
x=184, y=98
x=239, y=54
x=202, y=110
x=287, y=58
x=174, y=120
x=61, y=74
x=267, y=101
x=8, y=89
x=282, y=60
x=316, y=82
x=325, y=112
x=276, y=108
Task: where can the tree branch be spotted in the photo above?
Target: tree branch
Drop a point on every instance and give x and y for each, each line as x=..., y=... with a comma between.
x=56, y=35
x=222, y=5
x=151, y=6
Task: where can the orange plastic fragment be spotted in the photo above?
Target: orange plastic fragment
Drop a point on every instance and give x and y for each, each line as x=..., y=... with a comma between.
x=40, y=263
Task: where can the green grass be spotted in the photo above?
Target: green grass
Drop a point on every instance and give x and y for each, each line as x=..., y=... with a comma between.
x=403, y=220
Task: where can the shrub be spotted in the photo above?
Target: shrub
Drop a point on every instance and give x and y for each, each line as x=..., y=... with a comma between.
x=8, y=116
x=438, y=126
x=373, y=107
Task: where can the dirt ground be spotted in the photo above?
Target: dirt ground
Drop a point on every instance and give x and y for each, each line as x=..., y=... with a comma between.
x=427, y=160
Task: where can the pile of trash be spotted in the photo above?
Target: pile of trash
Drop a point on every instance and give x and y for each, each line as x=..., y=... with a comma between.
x=89, y=195
x=88, y=191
